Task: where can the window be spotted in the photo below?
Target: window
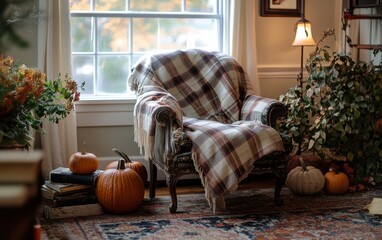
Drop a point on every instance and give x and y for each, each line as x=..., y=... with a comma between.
x=109, y=36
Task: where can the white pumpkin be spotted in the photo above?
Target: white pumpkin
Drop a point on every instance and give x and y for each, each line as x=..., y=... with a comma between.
x=305, y=180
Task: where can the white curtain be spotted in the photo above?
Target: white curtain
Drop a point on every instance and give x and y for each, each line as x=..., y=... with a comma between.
x=54, y=57
x=244, y=38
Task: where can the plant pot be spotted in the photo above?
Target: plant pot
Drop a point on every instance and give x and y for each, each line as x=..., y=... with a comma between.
x=13, y=146
x=310, y=159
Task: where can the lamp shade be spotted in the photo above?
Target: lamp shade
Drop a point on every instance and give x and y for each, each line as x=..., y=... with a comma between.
x=303, y=34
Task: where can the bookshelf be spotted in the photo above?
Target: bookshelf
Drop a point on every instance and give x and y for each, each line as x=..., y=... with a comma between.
x=20, y=196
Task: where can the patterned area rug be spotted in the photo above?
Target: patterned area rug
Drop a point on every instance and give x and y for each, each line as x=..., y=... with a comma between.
x=250, y=214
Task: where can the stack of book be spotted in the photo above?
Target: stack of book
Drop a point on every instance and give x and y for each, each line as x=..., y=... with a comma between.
x=70, y=195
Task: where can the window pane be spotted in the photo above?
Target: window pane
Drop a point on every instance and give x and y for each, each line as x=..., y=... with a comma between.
x=110, y=5
x=79, y=5
x=82, y=40
x=172, y=34
x=201, y=6
x=167, y=34
x=83, y=71
x=156, y=5
x=203, y=33
x=145, y=34
x=113, y=34
x=112, y=74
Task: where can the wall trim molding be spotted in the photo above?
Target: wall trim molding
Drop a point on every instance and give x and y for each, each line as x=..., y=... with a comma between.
x=107, y=112
x=278, y=71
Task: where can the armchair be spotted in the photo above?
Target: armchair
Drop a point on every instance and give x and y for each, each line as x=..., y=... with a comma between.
x=196, y=112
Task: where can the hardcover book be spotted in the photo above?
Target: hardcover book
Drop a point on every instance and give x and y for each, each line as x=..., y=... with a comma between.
x=72, y=211
x=20, y=167
x=20, y=177
x=63, y=187
x=79, y=198
x=64, y=175
x=16, y=195
x=48, y=192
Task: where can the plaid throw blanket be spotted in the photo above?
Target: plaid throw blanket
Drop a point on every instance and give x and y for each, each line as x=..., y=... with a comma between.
x=225, y=153
x=210, y=92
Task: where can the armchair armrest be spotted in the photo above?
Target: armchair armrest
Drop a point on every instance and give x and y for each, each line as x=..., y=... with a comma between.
x=265, y=110
x=157, y=114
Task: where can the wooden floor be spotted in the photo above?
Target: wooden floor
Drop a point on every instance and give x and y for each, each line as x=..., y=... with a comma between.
x=195, y=186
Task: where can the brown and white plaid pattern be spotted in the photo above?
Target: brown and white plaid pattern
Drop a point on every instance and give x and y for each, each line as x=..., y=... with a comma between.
x=224, y=154
x=210, y=89
x=148, y=110
x=207, y=86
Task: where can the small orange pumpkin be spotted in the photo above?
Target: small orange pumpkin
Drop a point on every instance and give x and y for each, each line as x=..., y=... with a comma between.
x=120, y=190
x=336, y=182
x=83, y=162
x=136, y=166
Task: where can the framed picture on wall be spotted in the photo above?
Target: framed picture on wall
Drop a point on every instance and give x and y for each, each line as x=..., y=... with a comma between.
x=281, y=8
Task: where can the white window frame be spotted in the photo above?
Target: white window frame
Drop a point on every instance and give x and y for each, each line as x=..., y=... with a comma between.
x=217, y=15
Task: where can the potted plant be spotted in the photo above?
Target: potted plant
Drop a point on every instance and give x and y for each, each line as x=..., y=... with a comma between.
x=343, y=101
x=302, y=108
x=349, y=101
x=27, y=98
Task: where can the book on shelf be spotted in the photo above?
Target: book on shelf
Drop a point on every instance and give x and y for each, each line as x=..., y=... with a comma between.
x=79, y=198
x=20, y=177
x=72, y=211
x=16, y=195
x=20, y=167
x=20, y=182
x=63, y=187
x=64, y=175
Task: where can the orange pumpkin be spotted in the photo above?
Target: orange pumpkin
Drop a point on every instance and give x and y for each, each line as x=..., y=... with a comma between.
x=83, y=162
x=336, y=182
x=136, y=166
x=120, y=190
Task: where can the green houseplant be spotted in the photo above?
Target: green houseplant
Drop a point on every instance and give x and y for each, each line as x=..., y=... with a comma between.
x=298, y=122
x=27, y=98
x=343, y=101
x=302, y=108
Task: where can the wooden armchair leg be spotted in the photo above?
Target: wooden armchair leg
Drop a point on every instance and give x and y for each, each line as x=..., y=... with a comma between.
x=153, y=179
x=171, y=184
x=280, y=181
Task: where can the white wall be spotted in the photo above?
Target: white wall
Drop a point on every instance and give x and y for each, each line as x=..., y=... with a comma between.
x=278, y=60
x=27, y=31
